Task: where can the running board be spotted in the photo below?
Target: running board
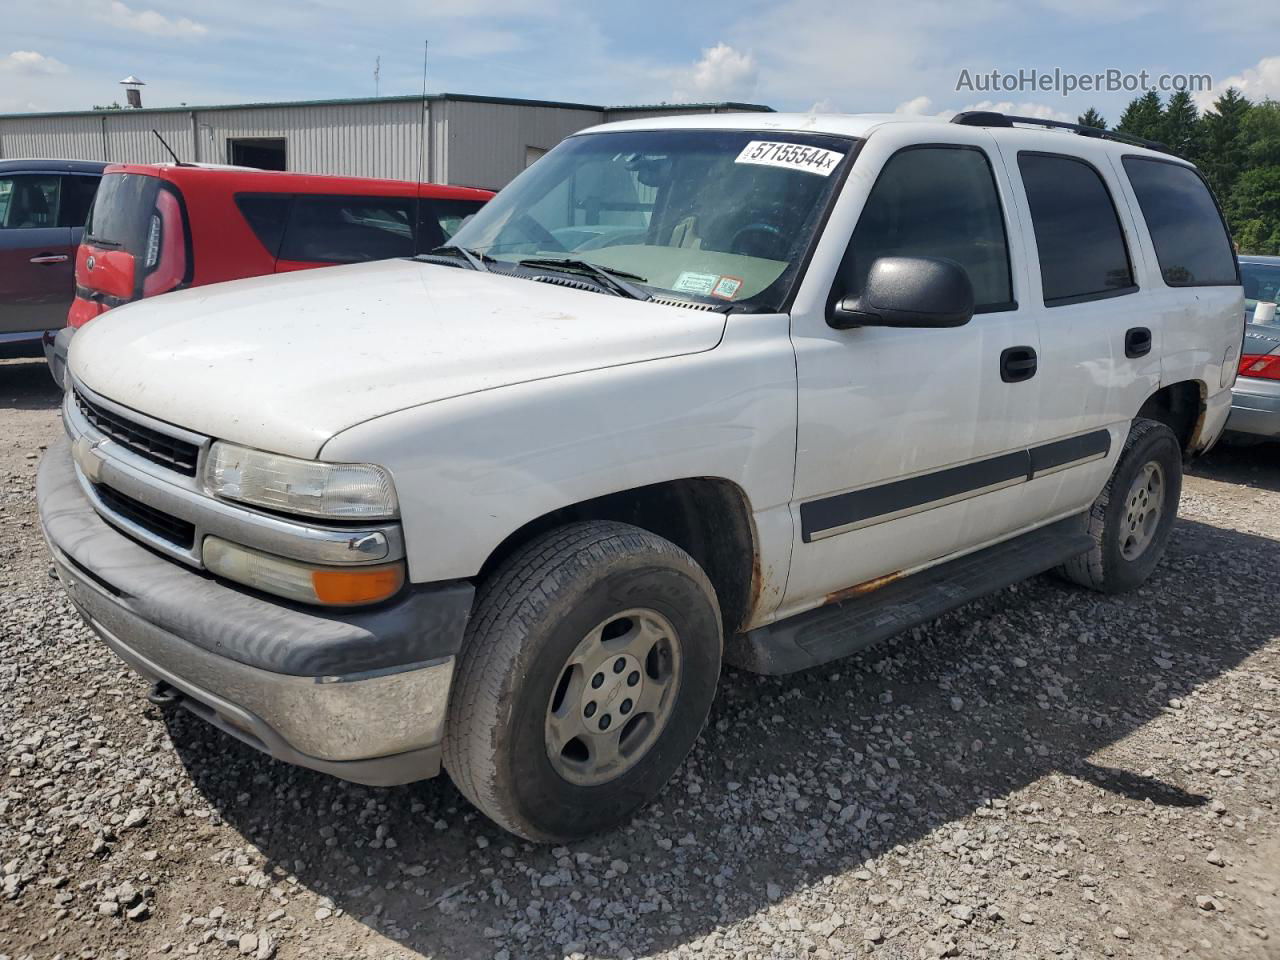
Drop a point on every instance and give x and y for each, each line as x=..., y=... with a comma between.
x=881, y=608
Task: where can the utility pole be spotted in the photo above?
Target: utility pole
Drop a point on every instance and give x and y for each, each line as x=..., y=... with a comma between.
x=377, y=75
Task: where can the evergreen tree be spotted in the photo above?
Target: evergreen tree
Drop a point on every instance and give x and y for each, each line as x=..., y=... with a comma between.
x=1224, y=143
x=1092, y=118
x=1180, y=130
x=1143, y=117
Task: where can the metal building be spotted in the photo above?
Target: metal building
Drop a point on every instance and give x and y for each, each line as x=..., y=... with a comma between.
x=448, y=138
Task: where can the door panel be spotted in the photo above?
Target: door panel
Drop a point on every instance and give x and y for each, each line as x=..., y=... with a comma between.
x=1069, y=205
x=902, y=431
x=36, y=270
x=35, y=296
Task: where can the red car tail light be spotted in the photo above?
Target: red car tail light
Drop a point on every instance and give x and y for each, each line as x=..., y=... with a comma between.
x=165, y=253
x=1260, y=366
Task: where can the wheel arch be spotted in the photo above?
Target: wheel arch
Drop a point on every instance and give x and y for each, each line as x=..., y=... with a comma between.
x=1181, y=407
x=708, y=517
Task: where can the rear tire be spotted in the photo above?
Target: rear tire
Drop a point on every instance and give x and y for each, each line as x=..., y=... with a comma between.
x=1133, y=517
x=546, y=734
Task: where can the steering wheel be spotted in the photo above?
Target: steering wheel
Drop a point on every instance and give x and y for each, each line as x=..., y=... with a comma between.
x=539, y=234
x=759, y=239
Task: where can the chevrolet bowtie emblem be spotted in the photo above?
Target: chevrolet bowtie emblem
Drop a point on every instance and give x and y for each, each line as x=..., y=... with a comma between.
x=88, y=459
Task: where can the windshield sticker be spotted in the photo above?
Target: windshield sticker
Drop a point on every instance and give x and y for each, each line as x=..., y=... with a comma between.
x=727, y=287
x=690, y=282
x=790, y=156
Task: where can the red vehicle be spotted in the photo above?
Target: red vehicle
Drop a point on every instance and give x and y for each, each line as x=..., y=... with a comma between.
x=160, y=227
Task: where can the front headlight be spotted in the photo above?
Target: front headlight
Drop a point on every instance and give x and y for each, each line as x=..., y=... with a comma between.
x=336, y=491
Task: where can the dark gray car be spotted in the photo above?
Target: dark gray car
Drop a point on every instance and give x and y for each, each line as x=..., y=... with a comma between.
x=43, y=205
x=1255, y=399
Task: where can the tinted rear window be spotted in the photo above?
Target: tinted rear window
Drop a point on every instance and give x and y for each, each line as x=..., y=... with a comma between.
x=1078, y=236
x=122, y=210
x=1190, y=239
x=348, y=229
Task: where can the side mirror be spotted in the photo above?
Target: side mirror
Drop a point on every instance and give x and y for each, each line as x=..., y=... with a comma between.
x=908, y=292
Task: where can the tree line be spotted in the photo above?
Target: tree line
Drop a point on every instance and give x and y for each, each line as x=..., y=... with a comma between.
x=1236, y=145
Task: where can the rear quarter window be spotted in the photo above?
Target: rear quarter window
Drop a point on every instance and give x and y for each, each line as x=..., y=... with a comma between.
x=267, y=216
x=1191, y=240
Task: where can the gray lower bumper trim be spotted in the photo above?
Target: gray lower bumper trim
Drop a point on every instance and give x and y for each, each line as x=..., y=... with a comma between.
x=407, y=767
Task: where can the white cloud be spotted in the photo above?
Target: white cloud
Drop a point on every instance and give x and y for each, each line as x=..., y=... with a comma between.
x=916, y=107
x=924, y=107
x=1257, y=83
x=723, y=73
x=120, y=14
x=30, y=63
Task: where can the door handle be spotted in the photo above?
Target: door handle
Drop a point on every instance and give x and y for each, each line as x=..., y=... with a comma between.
x=50, y=258
x=1137, y=342
x=1018, y=364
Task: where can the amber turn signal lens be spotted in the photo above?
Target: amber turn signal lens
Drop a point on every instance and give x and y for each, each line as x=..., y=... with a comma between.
x=351, y=587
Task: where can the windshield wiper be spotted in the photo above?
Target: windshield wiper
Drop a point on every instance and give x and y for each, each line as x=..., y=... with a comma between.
x=615, y=280
x=473, y=257
x=103, y=241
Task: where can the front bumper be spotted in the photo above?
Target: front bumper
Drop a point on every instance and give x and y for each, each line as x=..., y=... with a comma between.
x=1255, y=408
x=310, y=687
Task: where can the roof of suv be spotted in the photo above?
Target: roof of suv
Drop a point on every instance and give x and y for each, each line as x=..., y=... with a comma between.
x=858, y=125
x=42, y=165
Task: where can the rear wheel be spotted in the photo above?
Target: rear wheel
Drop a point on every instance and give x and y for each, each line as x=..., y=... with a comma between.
x=1133, y=517
x=587, y=674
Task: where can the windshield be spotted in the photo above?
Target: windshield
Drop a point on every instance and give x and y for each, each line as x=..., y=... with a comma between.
x=1261, y=282
x=715, y=216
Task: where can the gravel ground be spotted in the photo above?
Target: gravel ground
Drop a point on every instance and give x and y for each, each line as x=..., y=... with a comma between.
x=1045, y=773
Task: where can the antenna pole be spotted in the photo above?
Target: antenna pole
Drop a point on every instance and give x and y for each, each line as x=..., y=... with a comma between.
x=377, y=76
x=422, y=141
x=166, y=146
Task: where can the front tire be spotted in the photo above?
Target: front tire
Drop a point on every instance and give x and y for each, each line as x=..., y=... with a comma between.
x=1132, y=519
x=587, y=673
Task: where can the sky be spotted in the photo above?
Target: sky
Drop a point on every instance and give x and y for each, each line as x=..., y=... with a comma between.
x=830, y=55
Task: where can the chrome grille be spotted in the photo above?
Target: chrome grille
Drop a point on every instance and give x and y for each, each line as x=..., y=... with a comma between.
x=178, y=455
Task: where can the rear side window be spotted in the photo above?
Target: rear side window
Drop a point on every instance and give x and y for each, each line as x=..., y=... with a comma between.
x=1191, y=241
x=936, y=202
x=29, y=201
x=267, y=216
x=1078, y=236
x=348, y=229
x=439, y=220
x=77, y=196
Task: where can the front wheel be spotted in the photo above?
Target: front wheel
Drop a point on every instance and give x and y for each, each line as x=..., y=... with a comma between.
x=588, y=671
x=1132, y=518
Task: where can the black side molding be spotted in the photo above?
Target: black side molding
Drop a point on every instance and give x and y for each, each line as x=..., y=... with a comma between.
x=829, y=515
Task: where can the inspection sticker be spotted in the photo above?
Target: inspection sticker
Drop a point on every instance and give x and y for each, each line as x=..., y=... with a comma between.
x=690, y=282
x=792, y=156
x=727, y=287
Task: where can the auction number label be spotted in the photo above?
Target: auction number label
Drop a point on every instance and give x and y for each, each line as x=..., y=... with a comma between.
x=790, y=156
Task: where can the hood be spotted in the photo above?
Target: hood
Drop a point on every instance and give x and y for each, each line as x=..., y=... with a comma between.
x=284, y=363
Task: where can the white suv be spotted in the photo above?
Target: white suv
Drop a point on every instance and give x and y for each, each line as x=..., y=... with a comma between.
x=756, y=389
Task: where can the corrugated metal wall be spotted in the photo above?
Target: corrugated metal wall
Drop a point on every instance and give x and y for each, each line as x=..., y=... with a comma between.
x=359, y=139
x=355, y=140
x=474, y=142
x=487, y=141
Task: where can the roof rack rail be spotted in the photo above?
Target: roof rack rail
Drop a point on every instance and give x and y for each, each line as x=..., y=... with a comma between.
x=989, y=118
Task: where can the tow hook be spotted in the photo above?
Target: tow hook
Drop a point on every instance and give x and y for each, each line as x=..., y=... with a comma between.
x=163, y=695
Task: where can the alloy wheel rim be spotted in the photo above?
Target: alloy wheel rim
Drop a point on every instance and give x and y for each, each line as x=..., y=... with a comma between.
x=1144, y=505
x=614, y=697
